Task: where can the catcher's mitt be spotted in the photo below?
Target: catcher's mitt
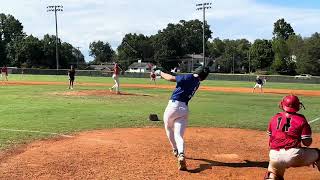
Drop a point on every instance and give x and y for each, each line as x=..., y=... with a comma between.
x=153, y=117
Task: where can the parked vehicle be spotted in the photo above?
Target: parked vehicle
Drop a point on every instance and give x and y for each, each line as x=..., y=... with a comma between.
x=303, y=76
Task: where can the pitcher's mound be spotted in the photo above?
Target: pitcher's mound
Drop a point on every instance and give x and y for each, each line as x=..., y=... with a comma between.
x=145, y=153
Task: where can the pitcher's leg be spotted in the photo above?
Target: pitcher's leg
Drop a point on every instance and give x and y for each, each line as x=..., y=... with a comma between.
x=168, y=119
x=179, y=129
x=117, y=84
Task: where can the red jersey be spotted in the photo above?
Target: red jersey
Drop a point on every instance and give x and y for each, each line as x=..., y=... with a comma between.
x=4, y=70
x=152, y=75
x=287, y=130
x=116, y=69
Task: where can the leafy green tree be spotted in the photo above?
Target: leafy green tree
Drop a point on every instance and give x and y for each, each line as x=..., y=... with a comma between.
x=282, y=29
x=216, y=48
x=230, y=55
x=242, y=61
x=10, y=28
x=308, y=60
x=80, y=61
x=192, y=32
x=68, y=57
x=27, y=50
x=281, y=56
x=295, y=44
x=261, y=54
x=176, y=40
x=3, y=59
x=102, y=52
x=133, y=47
x=49, y=52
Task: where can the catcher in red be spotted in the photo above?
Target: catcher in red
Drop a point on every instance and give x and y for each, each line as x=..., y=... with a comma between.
x=289, y=140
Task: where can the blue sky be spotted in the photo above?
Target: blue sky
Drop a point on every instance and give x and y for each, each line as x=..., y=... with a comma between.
x=84, y=21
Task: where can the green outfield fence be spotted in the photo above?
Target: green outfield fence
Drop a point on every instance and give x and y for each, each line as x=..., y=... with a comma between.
x=212, y=76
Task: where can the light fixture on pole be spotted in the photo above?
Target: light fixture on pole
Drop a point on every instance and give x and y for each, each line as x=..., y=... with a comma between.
x=55, y=9
x=203, y=7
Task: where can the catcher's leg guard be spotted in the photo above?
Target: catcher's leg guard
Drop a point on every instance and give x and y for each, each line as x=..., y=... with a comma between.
x=271, y=176
x=317, y=162
x=318, y=154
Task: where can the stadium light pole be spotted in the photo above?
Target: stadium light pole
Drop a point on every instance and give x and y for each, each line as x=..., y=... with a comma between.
x=249, y=61
x=55, y=9
x=203, y=7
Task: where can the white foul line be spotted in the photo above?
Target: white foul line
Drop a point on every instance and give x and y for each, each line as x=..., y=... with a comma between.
x=41, y=132
x=314, y=120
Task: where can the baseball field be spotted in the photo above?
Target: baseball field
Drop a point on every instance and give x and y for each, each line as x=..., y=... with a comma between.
x=50, y=132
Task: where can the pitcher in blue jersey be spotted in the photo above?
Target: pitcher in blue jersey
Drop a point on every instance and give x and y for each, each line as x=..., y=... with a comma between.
x=176, y=114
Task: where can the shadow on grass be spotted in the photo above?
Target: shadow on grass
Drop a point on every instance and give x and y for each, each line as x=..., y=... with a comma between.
x=210, y=163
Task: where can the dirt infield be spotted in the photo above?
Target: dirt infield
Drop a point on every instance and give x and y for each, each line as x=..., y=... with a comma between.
x=203, y=88
x=144, y=153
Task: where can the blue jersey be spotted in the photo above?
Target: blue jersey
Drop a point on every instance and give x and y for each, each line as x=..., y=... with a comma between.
x=186, y=86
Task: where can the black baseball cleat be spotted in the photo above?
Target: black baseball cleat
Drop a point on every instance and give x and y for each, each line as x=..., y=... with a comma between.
x=175, y=152
x=182, y=166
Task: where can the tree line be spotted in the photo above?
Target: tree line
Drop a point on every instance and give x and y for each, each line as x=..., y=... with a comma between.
x=21, y=50
x=286, y=53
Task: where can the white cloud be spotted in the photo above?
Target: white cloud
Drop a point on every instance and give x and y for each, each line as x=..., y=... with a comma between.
x=84, y=21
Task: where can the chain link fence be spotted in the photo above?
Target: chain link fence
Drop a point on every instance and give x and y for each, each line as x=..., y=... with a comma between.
x=212, y=76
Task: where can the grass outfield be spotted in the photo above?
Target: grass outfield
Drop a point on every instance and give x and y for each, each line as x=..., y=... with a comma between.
x=35, y=108
x=218, y=83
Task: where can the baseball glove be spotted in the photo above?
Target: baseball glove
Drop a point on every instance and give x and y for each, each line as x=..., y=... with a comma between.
x=153, y=117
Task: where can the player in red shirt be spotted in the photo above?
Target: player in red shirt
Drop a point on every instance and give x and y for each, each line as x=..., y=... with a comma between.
x=4, y=72
x=153, y=76
x=115, y=77
x=288, y=131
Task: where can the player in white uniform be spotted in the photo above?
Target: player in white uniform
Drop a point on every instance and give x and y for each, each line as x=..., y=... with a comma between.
x=115, y=77
x=176, y=114
x=259, y=84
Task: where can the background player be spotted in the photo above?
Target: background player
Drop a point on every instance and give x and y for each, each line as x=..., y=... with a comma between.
x=287, y=130
x=115, y=77
x=71, y=74
x=176, y=114
x=153, y=76
x=4, y=73
x=259, y=84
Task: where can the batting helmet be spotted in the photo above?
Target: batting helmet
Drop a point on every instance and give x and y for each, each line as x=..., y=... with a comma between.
x=202, y=72
x=291, y=104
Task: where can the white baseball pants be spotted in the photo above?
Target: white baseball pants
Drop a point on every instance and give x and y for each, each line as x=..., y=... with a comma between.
x=116, y=81
x=293, y=157
x=175, y=121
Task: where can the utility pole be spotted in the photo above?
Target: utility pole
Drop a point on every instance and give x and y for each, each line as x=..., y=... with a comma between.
x=204, y=6
x=249, y=62
x=55, y=9
x=233, y=63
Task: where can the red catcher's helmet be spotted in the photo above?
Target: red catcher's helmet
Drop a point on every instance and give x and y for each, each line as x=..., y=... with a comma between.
x=291, y=104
